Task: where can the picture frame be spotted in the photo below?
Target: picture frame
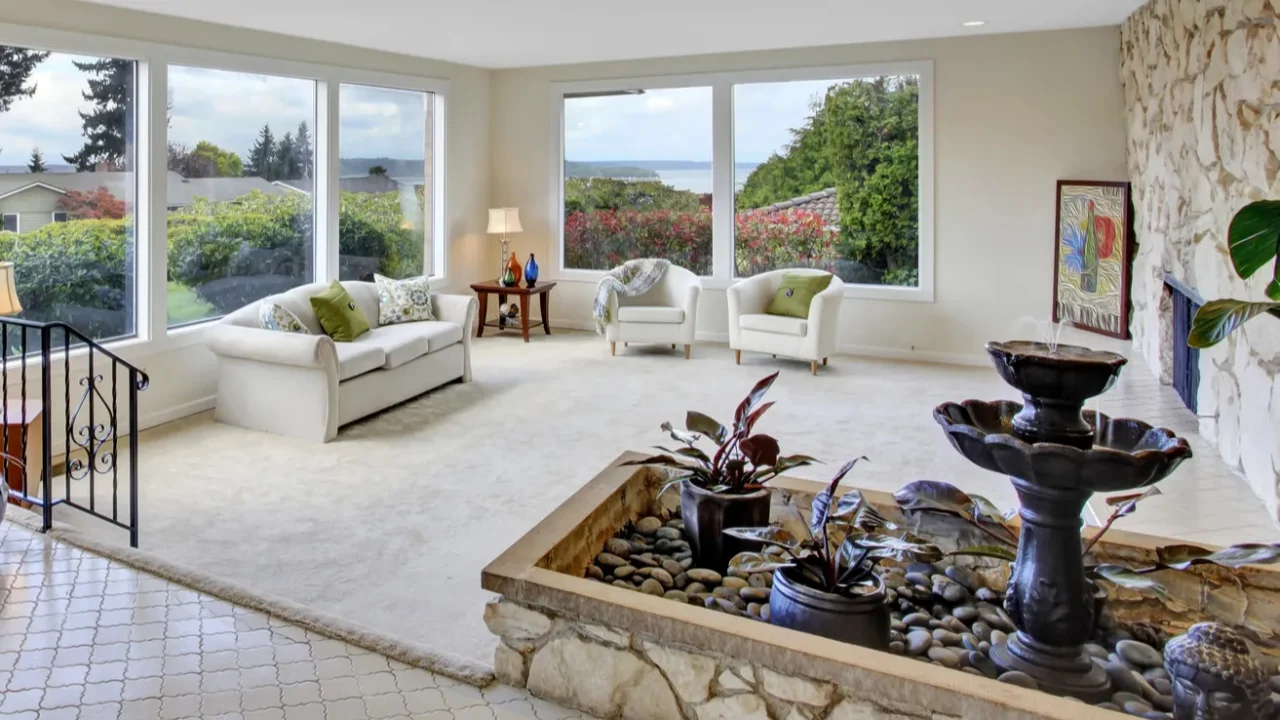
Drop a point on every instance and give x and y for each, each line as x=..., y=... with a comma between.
x=1093, y=246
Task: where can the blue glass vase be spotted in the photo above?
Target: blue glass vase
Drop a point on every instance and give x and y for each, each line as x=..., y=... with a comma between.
x=531, y=272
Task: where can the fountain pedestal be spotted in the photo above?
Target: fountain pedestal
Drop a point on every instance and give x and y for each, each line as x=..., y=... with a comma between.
x=1057, y=456
x=1049, y=598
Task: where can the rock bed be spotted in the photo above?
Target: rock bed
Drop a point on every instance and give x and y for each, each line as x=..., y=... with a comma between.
x=943, y=614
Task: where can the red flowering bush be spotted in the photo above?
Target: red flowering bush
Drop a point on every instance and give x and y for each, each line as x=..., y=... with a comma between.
x=764, y=240
x=770, y=240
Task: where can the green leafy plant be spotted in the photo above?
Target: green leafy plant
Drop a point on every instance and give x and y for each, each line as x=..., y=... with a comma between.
x=742, y=462
x=1253, y=239
x=846, y=543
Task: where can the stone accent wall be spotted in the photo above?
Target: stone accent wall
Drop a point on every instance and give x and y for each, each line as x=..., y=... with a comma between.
x=611, y=673
x=1202, y=98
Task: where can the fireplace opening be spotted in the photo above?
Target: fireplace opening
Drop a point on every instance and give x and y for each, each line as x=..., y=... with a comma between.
x=1185, y=365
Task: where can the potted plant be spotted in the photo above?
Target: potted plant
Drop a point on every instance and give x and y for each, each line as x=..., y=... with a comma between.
x=827, y=583
x=727, y=487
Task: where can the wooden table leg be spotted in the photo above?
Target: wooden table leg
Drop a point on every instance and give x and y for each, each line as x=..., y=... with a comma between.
x=484, y=313
x=544, y=302
x=524, y=316
x=502, y=311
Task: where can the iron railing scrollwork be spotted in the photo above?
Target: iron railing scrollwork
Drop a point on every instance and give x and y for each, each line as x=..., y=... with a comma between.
x=93, y=422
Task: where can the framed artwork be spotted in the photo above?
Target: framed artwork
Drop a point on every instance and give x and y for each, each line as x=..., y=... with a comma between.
x=1091, y=256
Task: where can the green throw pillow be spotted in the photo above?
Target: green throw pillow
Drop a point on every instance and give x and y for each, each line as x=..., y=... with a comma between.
x=795, y=294
x=338, y=314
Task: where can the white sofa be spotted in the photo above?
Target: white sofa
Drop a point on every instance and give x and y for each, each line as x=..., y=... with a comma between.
x=812, y=339
x=307, y=386
x=668, y=313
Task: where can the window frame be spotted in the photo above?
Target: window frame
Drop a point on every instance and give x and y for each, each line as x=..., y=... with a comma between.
x=152, y=334
x=53, y=216
x=17, y=222
x=722, y=164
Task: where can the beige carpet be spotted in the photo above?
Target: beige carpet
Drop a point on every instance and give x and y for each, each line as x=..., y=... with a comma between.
x=389, y=526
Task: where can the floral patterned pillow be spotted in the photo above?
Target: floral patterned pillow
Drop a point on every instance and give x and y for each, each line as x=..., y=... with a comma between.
x=274, y=316
x=401, y=301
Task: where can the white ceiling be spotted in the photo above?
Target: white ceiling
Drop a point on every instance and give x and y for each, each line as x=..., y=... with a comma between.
x=520, y=33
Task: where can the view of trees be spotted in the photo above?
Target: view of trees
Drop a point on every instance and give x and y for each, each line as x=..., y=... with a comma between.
x=204, y=160
x=36, y=164
x=109, y=126
x=861, y=137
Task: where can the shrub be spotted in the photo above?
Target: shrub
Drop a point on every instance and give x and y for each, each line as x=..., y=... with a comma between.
x=770, y=240
x=603, y=239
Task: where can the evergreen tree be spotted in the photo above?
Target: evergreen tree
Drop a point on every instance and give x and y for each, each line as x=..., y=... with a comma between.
x=286, y=165
x=378, y=170
x=303, y=151
x=36, y=164
x=262, y=156
x=109, y=126
x=16, y=66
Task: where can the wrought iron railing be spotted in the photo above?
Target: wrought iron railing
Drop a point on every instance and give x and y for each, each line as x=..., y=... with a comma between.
x=93, y=380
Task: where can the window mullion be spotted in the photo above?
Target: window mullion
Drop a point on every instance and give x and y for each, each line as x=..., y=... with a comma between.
x=722, y=180
x=326, y=181
x=151, y=243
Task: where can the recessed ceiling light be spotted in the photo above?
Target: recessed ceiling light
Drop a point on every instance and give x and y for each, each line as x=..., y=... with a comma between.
x=975, y=23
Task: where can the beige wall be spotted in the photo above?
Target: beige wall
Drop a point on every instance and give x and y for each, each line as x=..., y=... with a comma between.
x=1014, y=114
x=182, y=379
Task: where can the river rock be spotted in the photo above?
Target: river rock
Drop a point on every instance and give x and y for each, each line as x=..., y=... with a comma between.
x=595, y=573
x=672, y=567
x=1021, y=679
x=998, y=638
x=609, y=560
x=971, y=641
x=755, y=594
x=648, y=526
x=733, y=583
x=1139, y=653
x=663, y=577
x=916, y=578
x=694, y=588
x=682, y=579
x=965, y=613
x=916, y=620
x=984, y=664
x=954, y=593
x=667, y=533
x=676, y=595
x=1122, y=698
x=618, y=547
x=946, y=637
x=706, y=577
x=644, y=560
x=982, y=630
x=918, y=642
x=897, y=647
x=652, y=587
x=971, y=580
x=987, y=595
x=1095, y=650
x=1123, y=679
x=623, y=584
x=1136, y=708
x=944, y=657
x=764, y=613
x=622, y=573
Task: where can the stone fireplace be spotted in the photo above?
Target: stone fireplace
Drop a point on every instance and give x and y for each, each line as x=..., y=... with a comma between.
x=1178, y=306
x=1202, y=102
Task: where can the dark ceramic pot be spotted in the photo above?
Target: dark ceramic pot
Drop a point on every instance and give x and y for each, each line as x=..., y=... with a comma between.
x=862, y=620
x=707, y=514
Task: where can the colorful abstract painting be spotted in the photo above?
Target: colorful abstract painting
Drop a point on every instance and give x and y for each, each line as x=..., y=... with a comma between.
x=1091, y=269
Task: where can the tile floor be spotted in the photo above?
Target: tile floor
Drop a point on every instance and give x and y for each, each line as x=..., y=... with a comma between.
x=86, y=638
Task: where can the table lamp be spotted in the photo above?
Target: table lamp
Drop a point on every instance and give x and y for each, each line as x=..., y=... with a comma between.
x=503, y=221
x=9, y=304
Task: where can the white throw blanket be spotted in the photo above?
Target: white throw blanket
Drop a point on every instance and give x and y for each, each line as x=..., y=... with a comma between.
x=632, y=278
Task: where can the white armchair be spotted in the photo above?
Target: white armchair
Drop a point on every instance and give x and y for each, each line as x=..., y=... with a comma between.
x=668, y=313
x=812, y=339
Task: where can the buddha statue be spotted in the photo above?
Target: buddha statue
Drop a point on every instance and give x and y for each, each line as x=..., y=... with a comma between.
x=1216, y=677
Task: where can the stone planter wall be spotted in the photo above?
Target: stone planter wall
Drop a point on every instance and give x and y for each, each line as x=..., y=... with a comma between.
x=613, y=673
x=1202, y=98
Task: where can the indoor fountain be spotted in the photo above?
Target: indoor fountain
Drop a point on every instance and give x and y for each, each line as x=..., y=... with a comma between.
x=1057, y=456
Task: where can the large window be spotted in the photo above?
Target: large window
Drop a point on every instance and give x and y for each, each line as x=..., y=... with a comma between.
x=386, y=187
x=735, y=174
x=241, y=159
x=638, y=178
x=834, y=178
x=68, y=151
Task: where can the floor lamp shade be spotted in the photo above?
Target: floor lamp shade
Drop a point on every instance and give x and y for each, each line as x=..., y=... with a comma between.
x=9, y=304
x=504, y=220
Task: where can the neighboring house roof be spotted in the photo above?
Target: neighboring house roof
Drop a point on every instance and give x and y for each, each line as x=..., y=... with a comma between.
x=822, y=202
x=369, y=184
x=182, y=191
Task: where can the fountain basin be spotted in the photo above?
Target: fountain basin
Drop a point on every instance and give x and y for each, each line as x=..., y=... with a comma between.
x=1055, y=382
x=1126, y=453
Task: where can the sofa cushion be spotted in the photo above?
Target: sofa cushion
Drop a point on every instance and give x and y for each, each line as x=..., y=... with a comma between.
x=776, y=324
x=339, y=315
x=356, y=359
x=403, y=342
x=650, y=314
x=276, y=317
x=796, y=293
x=401, y=301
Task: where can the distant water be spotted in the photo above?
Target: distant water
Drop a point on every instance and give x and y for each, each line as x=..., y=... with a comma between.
x=698, y=181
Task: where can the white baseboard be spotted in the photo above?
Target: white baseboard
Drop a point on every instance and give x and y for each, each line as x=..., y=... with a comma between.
x=175, y=412
x=872, y=351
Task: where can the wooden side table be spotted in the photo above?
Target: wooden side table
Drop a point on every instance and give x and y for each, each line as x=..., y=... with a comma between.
x=13, y=420
x=542, y=290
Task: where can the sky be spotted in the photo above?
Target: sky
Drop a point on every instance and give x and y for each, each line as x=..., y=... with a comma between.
x=675, y=124
x=225, y=108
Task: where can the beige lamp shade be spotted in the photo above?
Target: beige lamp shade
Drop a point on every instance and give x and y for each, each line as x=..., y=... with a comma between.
x=9, y=304
x=504, y=220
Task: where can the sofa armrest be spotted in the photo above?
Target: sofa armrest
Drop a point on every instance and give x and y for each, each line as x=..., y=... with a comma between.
x=824, y=317
x=271, y=346
x=457, y=309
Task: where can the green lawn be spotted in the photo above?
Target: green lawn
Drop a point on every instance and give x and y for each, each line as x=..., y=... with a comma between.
x=185, y=306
